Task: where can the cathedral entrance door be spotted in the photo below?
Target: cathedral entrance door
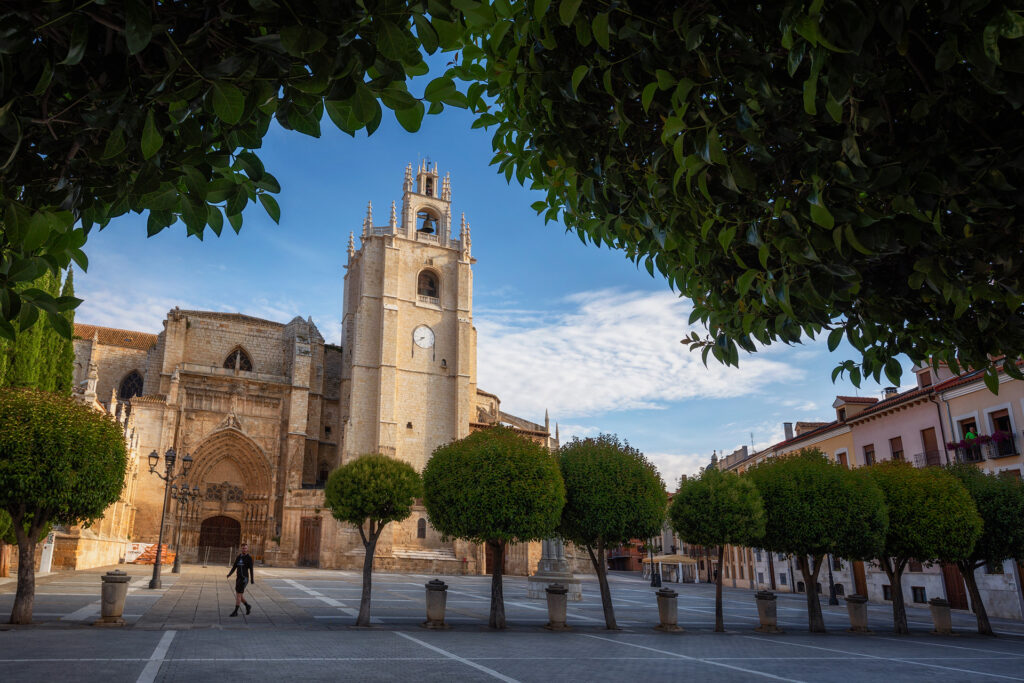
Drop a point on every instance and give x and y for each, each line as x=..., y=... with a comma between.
x=219, y=537
x=309, y=542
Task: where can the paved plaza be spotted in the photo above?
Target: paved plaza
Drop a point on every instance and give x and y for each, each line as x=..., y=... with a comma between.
x=301, y=629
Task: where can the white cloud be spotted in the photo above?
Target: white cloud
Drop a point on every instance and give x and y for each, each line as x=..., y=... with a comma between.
x=609, y=350
x=673, y=465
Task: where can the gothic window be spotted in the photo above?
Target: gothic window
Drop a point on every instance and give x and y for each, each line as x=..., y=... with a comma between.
x=131, y=385
x=238, y=360
x=427, y=284
x=421, y=528
x=430, y=187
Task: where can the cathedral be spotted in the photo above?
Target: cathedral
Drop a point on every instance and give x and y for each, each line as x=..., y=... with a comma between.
x=266, y=410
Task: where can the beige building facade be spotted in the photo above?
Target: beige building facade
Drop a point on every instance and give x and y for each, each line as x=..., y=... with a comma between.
x=267, y=410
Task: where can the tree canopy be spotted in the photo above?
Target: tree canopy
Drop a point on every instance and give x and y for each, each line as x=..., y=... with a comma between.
x=370, y=492
x=815, y=508
x=796, y=169
x=494, y=487
x=612, y=494
x=1000, y=503
x=60, y=462
x=931, y=517
x=718, y=509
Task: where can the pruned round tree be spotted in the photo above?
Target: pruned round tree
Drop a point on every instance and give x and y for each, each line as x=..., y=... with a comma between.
x=369, y=492
x=1000, y=502
x=612, y=494
x=494, y=487
x=61, y=463
x=931, y=517
x=815, y=509
x=718, y=509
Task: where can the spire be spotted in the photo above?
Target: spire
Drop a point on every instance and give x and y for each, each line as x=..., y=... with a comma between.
x=464, y=238
x=556, y=433
x=446, y=187
x=394, y=218
x=351, y=244
x=407, y=184
x=547, y=422
x=368, y=221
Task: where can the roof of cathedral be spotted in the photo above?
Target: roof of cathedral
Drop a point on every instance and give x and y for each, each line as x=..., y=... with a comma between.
x=217, y=315
x=110, y=336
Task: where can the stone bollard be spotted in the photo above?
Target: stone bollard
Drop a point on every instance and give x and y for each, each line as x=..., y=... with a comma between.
x=437, y=596
x=941, y=616
x=114, y=591
x=557, y=599
x=668, y=611
x=767, y=612
x=857, y=606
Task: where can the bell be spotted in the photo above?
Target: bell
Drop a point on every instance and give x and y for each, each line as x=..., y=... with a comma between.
x=428, y=225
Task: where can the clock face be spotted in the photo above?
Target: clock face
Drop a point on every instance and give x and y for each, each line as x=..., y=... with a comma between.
x=423, y=336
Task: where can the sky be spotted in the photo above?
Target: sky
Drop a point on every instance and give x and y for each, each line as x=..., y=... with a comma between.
x=565, y=327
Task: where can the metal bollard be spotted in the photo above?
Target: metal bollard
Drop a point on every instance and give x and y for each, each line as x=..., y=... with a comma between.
x=556, y=607
x=668, y=611
x=857, y=607
x=113, y=592
x=437, y=597
x=767, y=612
x=941, y=617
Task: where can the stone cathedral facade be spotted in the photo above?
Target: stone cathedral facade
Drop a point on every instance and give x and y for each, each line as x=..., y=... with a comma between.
x=267, y=410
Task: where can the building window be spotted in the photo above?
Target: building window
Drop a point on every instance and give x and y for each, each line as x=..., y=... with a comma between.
x=760, y=577
x=782, y=557
x=993, y=567
x=924, y=379
x=869, y=454
x=887, y=592
x=421, y=528
x=1002, y=431
x=238, y=360
x=322, y=472
x=327, y=430
x=741, y=572
x=131, y=385
x=896, y=448
x=837, y=564
x=839, y=589
x=429, y=187
x=427, y=284
x=757, y=554
x=782, y=579
x=841, y=414
x=841, y=457
x=914, y=565
x=919, y=594
x=799, y=586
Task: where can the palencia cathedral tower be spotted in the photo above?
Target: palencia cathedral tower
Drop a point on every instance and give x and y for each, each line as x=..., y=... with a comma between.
x=266, y=409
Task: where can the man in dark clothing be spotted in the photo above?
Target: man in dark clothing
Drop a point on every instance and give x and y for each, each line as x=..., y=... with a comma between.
x=243, y=565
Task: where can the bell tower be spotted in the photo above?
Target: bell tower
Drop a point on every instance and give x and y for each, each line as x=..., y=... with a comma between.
x=408, y=377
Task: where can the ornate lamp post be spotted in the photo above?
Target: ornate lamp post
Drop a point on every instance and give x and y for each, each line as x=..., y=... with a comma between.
x=168, y=476
x=184, y=496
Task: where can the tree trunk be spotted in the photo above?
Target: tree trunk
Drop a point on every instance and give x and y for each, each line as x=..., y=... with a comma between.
x=719, y=620
x=21, y=613
x=967, y=569
x=894, y=570
x=771, y=569
x=370, y=545
x=601, y=567
x=497, y=619
x=815, y=620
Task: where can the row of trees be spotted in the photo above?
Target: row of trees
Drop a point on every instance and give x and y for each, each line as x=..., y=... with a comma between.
x=41, y=356
x=497, y=488
x=806, y=506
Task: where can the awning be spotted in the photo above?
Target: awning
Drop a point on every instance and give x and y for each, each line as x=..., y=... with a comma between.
x=671, y=559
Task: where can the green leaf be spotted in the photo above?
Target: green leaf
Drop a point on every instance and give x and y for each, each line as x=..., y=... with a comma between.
x=851, y=237
x=578, y=74
x=834, y=337
x=567, y=10
x=115, y=144
x=600, y=28
x=39, y=229
x=822, y=216
x=426, y=33
x=152, y=141
x=411, y=117
x=215, y=219
x=79, y=41
x=300, y=40
x=992, y=379
x=392, y=42
x=228, y=102
x=647, y=95
x=744, y=281
x=270, y=204
x=138, y=25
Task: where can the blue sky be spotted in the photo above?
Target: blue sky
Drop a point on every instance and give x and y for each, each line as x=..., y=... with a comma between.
x=573, y=329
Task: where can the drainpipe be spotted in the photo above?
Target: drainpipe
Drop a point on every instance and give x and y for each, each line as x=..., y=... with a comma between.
x=942, y=429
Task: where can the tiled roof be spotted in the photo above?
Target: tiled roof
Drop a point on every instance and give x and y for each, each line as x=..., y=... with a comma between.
x=825, y=426
x=235, y=317
x=109, y=336
x=856, y=399
x=890, y=402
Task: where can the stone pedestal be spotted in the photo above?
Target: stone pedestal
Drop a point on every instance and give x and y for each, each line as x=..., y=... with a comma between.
x=857, y=607
x=767, y=612
x=556, y=607
x=941, y=616
x=668, y=611
x=553, y=568
x=437, y=598
x=113, y=593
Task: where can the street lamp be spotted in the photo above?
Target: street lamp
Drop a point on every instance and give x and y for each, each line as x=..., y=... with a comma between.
x=183, y=496
x=169, y=476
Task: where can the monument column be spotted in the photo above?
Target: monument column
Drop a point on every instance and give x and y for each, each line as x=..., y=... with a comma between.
x=553, y=568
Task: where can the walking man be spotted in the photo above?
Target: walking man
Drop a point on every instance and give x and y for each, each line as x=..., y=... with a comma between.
x=242, y=565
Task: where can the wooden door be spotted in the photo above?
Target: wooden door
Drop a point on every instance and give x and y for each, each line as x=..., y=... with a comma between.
x=309, y=542
x=956, y=590
x=860, y=582
x=931, y=447
x=491, y=558
x=219, y=538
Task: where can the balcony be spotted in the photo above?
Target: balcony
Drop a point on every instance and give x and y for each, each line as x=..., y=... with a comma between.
x=1002, y=445
x=969, y=453
x=928, y=459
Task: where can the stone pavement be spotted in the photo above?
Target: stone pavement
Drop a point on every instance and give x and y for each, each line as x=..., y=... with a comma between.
x=301, y=628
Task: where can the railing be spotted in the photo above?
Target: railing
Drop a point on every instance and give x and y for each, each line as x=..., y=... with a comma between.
x=426, y=237
x=455, y=244
x=928, y=459
x=969, y=454
x=384, y=230
x=423, y=298
x=1005, y=446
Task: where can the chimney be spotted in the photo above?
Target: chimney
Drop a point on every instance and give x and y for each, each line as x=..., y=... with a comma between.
x=890, y=391
x=788, y=428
